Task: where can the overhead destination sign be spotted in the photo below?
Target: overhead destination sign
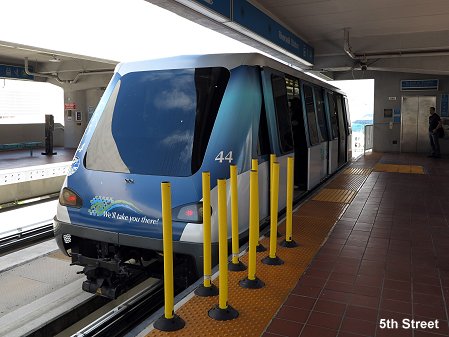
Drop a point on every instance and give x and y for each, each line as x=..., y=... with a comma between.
x=16, y=72
x=221, y=7
x=415, y=85
x=253, y=19
x=260, y=23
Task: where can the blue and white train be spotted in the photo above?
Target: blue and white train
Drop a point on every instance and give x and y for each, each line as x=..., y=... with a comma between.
x=172, y=119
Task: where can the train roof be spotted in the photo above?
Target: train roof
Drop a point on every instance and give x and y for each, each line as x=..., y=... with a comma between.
x=229, y=61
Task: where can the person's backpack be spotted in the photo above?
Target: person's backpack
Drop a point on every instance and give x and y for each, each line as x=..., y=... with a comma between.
x=441, y=132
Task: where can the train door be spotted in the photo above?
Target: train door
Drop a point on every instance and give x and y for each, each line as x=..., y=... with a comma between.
x=278, y=124
x=323, y=132
x=301, y=150
x=349, y=133
x=333, y=128
x=316, y=152
x=342, y=132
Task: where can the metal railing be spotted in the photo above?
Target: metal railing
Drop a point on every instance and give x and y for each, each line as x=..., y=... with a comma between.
x=368, y=143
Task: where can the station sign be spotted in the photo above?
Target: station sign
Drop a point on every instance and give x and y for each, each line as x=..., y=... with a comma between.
x=16, y=72
x=252, y=19
x=69, y=106
x=444, y=105
x=419, y=85
x=220, y=7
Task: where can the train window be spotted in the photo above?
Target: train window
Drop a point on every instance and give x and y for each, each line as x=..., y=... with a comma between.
x=348, y=116
x=342, y=127
x=333, y=115
x=158, y=122
x=282, y=113
x=320, y=114
x=310, y=111
x=263, y=146
x=292, y=85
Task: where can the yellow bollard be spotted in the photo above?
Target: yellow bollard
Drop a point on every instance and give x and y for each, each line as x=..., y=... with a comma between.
x=272, y=160
x=235, y=264
x=289, y=242
x=223, y=311
x=170, y=321
x=252, y=281
x=255, y=167
x=207, y=288
x=272, y=259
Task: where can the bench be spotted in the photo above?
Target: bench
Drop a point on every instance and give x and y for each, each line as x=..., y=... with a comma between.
x=21, y=146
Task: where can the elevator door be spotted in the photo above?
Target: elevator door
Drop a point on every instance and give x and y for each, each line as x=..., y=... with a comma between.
x=415, y=123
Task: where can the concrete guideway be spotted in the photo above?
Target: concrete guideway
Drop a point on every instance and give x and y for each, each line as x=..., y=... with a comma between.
x=38, y=284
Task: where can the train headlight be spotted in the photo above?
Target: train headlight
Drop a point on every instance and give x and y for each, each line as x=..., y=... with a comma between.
x=69, y=198
x=189, y=213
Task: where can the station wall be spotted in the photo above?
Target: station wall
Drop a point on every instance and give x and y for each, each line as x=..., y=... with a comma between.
x=85, y=102
x=387, y=86
x=17, y=133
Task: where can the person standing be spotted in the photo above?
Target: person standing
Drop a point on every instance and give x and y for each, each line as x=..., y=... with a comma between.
x=434, y=125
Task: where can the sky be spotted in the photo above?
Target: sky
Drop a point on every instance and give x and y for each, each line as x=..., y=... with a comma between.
x=120, y=30
x=360, y=96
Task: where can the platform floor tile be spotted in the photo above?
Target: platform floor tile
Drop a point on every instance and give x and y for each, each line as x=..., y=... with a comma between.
x=387, y=257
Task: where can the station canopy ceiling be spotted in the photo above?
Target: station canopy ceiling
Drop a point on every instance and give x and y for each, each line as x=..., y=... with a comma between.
x=19, y=61
x=344, y=35
x=385, y=35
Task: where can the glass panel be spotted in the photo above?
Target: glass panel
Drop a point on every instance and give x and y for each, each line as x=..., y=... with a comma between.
x=158, y=122
x=341, y=116
x=310, y=111
x=348, y=116
x=263, y=146
x=282, y=113
x=333, y=115
x=320, y=114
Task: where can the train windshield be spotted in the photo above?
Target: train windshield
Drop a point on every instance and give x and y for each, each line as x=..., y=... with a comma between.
x=158, y=122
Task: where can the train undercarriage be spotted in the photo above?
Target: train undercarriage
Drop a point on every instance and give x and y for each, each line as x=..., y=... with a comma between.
x=112, y=269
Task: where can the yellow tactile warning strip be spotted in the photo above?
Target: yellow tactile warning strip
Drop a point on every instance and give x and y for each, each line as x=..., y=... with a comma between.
x=357, y=170
x=256, y=307
x=416, y=169
x=335, y=195
x=347, y=182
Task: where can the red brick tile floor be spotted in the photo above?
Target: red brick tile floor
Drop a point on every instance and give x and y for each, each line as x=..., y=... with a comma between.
x=387, y=258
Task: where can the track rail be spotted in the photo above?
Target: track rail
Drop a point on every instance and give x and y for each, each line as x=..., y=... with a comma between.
x=23, y=238
x=127, y=315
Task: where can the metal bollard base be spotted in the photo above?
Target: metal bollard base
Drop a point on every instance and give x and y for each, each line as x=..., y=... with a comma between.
x=289, y=244
x=236, y=266
x=260, y=248
x=272, y=261
x=203, y=291
x=219, y=314
x=169, y=324
x=252, y=284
